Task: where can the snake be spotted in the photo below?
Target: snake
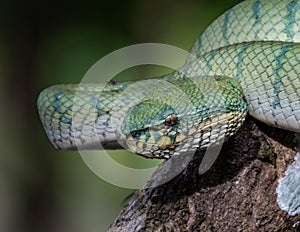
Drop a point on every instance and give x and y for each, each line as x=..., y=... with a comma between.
x=245, y=62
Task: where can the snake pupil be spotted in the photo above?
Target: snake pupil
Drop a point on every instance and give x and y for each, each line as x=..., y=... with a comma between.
x=171, y=120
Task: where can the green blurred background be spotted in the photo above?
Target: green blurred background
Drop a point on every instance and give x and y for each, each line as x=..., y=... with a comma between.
x=45, y=43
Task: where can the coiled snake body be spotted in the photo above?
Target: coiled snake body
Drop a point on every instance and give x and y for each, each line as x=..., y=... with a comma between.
x=247, y=60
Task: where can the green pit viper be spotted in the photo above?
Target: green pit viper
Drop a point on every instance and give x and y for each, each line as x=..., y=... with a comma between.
x=248, y=60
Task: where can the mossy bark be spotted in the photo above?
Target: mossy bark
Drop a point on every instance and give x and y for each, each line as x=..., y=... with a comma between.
x=237, y=194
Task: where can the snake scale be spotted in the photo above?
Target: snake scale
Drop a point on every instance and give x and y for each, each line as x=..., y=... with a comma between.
x=248, y=60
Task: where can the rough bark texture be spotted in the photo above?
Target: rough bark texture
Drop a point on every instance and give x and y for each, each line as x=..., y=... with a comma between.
x=237, y=194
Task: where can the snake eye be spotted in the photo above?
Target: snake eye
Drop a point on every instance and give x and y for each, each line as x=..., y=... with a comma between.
x=171, y=120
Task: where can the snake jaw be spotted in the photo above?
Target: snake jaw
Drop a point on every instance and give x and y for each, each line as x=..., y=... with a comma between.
x=171, y=141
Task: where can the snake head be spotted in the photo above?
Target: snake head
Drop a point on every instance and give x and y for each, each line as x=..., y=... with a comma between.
x=203, y=114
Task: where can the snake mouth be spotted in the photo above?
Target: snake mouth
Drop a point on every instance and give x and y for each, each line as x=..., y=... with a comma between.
x=153, y=142
x=165, y=142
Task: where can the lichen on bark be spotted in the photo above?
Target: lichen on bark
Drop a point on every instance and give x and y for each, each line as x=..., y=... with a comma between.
x=288, y=190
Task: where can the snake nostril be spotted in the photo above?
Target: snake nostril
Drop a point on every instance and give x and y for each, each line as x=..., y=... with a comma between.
x=171, y=120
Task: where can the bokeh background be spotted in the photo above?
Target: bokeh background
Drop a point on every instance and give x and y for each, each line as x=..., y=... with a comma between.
x=45, y=43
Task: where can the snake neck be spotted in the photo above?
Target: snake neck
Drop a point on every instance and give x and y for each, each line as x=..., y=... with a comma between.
x=268, y=73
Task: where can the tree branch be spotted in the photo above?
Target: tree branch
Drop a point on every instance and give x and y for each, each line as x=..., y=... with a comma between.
x=237, y=194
